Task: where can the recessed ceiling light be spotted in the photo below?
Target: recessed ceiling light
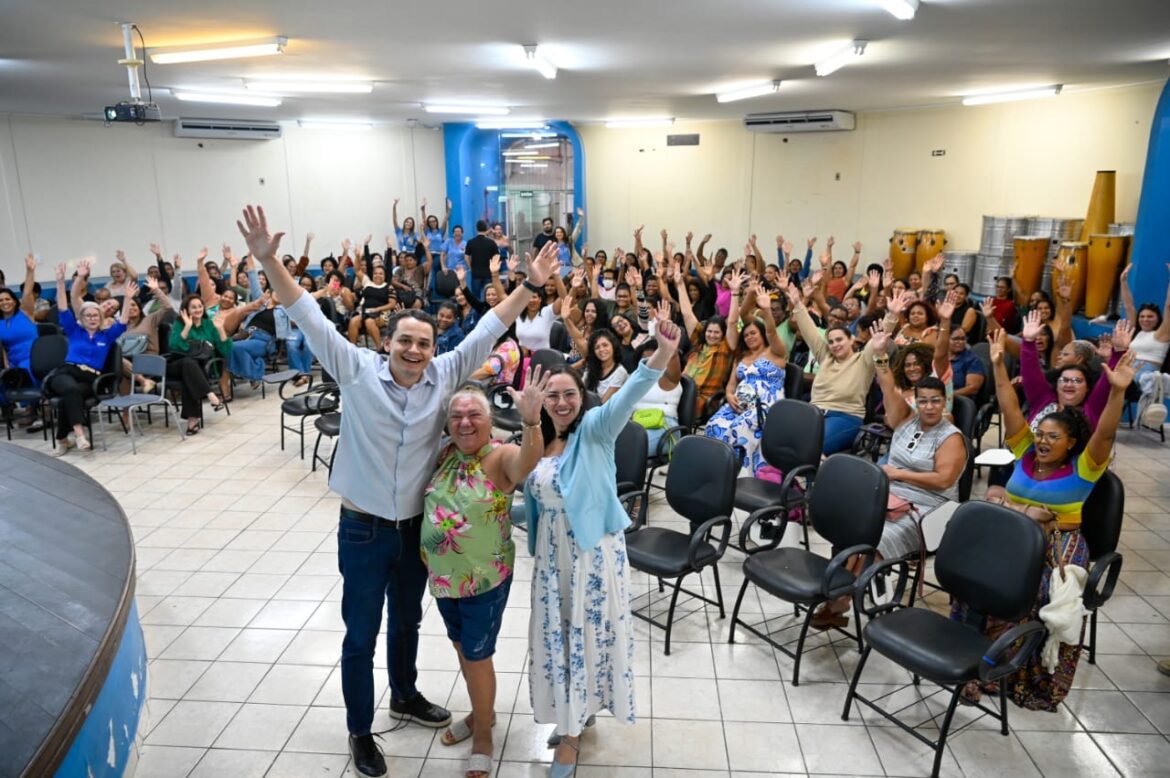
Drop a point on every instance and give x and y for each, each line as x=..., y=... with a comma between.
x=234, y=50
x=323, y=87
x=900, y=9
x=533, y=164
x=758, y=90
x=520, y=153
x=1008, y=97
x=318, y=124
x=553, y=145
x=228, y=98
x=538, y=62
x=536, y=125
x=478, y=110
x=842, y=58
x=618, y=124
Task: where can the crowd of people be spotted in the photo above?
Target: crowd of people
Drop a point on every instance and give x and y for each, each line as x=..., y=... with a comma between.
x=444, y=319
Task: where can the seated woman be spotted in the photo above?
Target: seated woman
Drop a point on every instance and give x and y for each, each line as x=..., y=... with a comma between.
x=89, y=348
x=466, y=544
x=192, y=345
x=662, y=398
x=18, y=328
x=1151, y=342
x=604, y=373
x=1073, y=385
x=713, y=342
x=843, y=377
x=1058, y=463
x=375, y=304
x=141, y=335
x=631, y=336
x=337, y=301
x=920, y=323
x=449, y=334
x=927, y=456
x=916, y=361
x=754, y=386
x=501, y=365
x=468, y=307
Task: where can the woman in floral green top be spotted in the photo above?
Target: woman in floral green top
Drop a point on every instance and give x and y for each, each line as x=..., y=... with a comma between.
x=466, y=543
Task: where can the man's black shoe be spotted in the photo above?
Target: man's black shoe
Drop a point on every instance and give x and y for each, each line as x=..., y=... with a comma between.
x=367, y=757
x=420, y=711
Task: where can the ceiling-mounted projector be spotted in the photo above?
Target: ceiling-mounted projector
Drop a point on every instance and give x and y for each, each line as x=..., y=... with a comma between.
x=138, y=113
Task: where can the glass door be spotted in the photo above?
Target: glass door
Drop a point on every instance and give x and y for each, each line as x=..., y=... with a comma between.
x=537, y=184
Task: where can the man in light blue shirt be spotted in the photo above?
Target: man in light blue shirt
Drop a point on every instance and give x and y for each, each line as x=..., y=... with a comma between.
x=389, y=441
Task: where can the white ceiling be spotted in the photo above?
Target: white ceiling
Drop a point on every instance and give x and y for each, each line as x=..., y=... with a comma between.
x=616, y=57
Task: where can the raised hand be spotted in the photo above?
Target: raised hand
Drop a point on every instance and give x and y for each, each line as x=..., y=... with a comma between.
x=1122, y=376
x=186, y=317
x=874, y=279
x=857, y=247
x=669, y=336
x=154, y=249
x=132, y=289
x=1104, y=346
x=514, y=262
x=787, y=249
x=578, y=279
x=1064, y=287
x=830, y=243
x=706, y=238
x=899, y=304
x=996, y=340
x=816, y=277
x=177, y=261
x=735, y=281
x=346, y=245
x=752, y=240
x=826, y=260
x=690, y=237
x=448, y=205
x=152, y=283
x=1032, y=326
x=935, y=263
x=888, y=279
x=121, y=255
x=638, y=231
x=460, y=273
x=61, y=271
x=580, y=213
x=546, y=263
x=812, y=241
x=397, y=200
x=83, y=268
x=423, y=204
x=202, y=255
x=946, y=309
x=494, y=265
x=30, y=263
x=309, y=237
x=227, y=251
x=254, y=228
x=988, y=307
x=1122, y=335
x=634, y=278
x=530, y=400
x=780, y=241
x=663, y=233
x=662, y=312
x=878, y=338
x=369, y=237
x=1125, y=273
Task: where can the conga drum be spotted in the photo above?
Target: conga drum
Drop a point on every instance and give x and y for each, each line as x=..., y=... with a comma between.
x=930, y=244
x=1106, y=253
x=1031, y=252
x=902, y=248
x=1076, y=255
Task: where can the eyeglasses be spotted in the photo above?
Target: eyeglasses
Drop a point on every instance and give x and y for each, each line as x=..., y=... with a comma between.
x=913, y=444
x=1048, y=437
x=1071, y=380
x=555, y=397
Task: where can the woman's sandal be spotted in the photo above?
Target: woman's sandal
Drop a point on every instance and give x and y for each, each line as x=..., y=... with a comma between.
x=554, y=739
x=459, y=731
x=83, y=443
x=479, y=766
x=827, y=618
x=561, y=770
x=62, y=447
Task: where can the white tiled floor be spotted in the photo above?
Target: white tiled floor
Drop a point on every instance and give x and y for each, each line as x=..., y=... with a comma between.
x=239, y=597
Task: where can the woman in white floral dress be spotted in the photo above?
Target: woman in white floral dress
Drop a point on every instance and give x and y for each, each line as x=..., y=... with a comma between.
x=581, y=632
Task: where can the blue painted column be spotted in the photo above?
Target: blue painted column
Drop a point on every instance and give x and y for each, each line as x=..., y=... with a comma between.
x=1152, y=233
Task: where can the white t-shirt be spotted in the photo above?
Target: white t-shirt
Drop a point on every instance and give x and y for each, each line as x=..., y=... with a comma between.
x=1147, y=348
x=665, y=400
x=613, y=381
x=533, y=333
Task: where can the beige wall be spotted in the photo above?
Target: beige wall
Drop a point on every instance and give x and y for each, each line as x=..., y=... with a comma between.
x=1034, y=158
x=74, y=188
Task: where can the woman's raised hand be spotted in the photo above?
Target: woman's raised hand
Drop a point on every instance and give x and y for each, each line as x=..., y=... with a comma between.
x=879, y=339
x=946, y=309
x=460, y=274
x=669, y=336
x=132, y=290
x=1122, y=335
x=1122, y=376
x=530, y=400
x=899, y=304
x=61, y=270
x=494, y=265
x=996, y=340
x=546, y=263
x=988, y=306
x=254, y=228
x=662, y=311
x=735, y=281
x=186, y=317
x=634, y=278
x=1032, y=326
x=30, y=262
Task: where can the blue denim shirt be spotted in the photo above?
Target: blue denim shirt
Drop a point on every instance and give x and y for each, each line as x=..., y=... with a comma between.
x=587, y=470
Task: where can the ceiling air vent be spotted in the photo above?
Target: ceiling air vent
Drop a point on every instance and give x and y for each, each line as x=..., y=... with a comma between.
x=228, y=129
x=799, y=121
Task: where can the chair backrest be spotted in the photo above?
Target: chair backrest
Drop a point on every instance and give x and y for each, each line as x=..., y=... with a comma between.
x=547, y=359
x=686, y=401
x=700, y=484
x=630, y=454
x=1102, y=514
x=794, y=434
x=963, y=410
x=793, y=381
x=979, y=332
x=151, y=366
x=558, y=338
x=991, y=558
x=48, y=328
x=47, y=353
x=848, y=501
x=164, y=338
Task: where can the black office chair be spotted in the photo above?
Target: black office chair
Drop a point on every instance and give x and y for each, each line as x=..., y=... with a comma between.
x=46, y=354
x=630, y=457
x=104, y=387
x=700, y=487
x=328, y=426
x=847, y=507
x=990, y=559
x=791, y=442
x=323, y=399
x=687, y=420
x=964, y=412
x=793, y=381
x=558, y=338
x=1101, y=519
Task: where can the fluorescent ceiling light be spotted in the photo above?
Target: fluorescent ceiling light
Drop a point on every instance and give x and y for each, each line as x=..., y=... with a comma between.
x=538, y=62
x=225, y=99
x=1008, y=97
x=313, y=124
x=205, y=53
x=483, y=110
x=536, y=125
x=533, y=164
x=332, y=87
x=842, y=58
x=617, y=124
x=900, y=9
x=553, y=145
x=520, y=153
x=759, y=90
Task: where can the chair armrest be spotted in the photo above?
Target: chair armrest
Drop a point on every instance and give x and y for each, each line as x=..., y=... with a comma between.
x=699, y=539
x=666, y=440
x=866, y=579
x=496, y=392
x=1109, y=566
x=790, y=479
x=628, y=494
x=105, y=386
x=1001, y=659
x=760, y=515
x=214, y=368
x=839, y=561
x=283, y=384
x=326, y=399
x=15, y=378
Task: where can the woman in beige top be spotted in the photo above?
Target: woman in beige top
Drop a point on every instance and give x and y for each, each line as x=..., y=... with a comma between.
x=845, y=375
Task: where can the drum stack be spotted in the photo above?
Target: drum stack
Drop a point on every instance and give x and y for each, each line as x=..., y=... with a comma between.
x=911, y=248
x=962, y=264
x=1059, y=231
x=995, y=251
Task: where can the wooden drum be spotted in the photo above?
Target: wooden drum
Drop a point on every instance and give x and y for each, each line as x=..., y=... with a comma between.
x=930, y=244
x=1031, y=252
x=903, y=246
x=1106, y=253
x=1076, y=255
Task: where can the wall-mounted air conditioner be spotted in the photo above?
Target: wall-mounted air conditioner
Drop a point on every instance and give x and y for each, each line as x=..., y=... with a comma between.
x=799, y=121
x=229, y=129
